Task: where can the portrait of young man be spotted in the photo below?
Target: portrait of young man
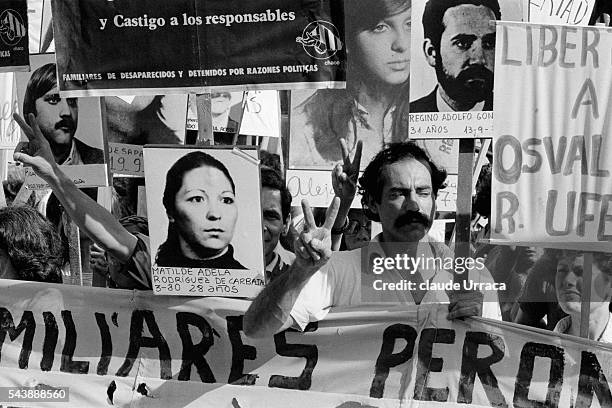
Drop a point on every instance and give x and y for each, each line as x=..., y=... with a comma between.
x=57, y=118
x=459, y=44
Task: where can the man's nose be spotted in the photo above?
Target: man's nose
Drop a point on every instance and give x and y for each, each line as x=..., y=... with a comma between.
x=410, y=202
x=476, y=53
x=64, y=108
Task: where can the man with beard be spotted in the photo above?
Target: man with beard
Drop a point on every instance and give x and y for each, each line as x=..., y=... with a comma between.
x=398, y=189
x=460, y=45
x=57, y=118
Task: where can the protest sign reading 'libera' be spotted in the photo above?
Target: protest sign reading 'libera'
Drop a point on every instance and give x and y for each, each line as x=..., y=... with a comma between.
x=552, y=147
x=145, y=46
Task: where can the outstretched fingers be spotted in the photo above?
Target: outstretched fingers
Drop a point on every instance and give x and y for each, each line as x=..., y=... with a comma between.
x=24, y=125
x=332, y=213
x=357, y=159
x=309, y=221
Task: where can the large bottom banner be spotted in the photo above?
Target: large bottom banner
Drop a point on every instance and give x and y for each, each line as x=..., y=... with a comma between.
x=121, y=348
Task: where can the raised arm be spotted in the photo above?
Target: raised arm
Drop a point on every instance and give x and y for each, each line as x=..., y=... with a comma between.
x=270, y=311
x=344, y=181
x=92, y=218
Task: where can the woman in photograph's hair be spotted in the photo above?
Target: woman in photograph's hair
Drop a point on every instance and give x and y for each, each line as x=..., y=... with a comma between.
x=374, y=106
x=200, y=201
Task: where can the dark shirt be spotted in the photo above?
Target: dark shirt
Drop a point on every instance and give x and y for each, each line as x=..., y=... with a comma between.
x=176, y=258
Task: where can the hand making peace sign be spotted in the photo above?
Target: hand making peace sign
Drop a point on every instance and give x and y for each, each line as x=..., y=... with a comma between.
x=313, y=246
x=37, y=152
x=344, y=176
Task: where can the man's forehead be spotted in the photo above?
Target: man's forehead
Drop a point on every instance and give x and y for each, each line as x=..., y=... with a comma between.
x=270, y=198
x=468, y=19
x=407, y=172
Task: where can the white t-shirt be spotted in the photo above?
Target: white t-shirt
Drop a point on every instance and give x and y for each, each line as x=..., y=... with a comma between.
x=341, y=282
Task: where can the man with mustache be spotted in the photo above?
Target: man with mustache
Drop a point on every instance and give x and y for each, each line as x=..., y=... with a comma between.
x=57, y=118
x=398, y=188
x=460, y=45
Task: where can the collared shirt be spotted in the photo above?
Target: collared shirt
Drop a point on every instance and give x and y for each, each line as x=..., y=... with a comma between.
x=342, y=281
x=563, y=326
x=445, y=107
x=73, y=158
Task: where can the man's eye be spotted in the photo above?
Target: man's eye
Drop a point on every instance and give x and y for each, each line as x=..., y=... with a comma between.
x=54, y=99
x=463, y=44
x=488, y=44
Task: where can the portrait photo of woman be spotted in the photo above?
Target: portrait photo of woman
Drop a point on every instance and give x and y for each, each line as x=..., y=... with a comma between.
x=374, y=106
x=199, y=203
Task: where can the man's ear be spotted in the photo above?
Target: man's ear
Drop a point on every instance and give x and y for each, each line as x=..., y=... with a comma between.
x=286, y=225
x=372, y=205
x=430, y=52
x=170, y=217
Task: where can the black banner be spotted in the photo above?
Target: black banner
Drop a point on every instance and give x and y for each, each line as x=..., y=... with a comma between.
x=139, y=45
x=14, y=53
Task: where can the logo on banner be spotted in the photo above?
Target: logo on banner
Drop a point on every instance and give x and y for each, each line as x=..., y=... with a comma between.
x=12, y=29
x=320, y=39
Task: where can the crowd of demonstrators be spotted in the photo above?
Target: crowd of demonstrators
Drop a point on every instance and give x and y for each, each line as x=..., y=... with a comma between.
x=544, y=285
x=398, y=188
x=128, y=247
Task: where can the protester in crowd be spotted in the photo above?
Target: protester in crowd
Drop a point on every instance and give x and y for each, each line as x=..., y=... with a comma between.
x=399, y=188
x=537, y=303
x=129, y=248
x=57, y=118
x=200, y=201
x=30, y=249
x=276, y=210
x=507, y=264
x=459, y=44
x=359, y=231
x=569, y=287
x=271, y=160
x=374, y=105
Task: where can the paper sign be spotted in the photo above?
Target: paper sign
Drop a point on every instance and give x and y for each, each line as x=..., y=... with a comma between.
x=126, y=159
x=90, y=175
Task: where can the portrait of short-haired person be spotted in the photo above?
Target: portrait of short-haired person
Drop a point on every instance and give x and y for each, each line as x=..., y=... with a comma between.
x=276, y=211
x=200, y=202
x=459, y=44
x=373, y=108
x=222, y=113
x=30, y=249
x=57, y=118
